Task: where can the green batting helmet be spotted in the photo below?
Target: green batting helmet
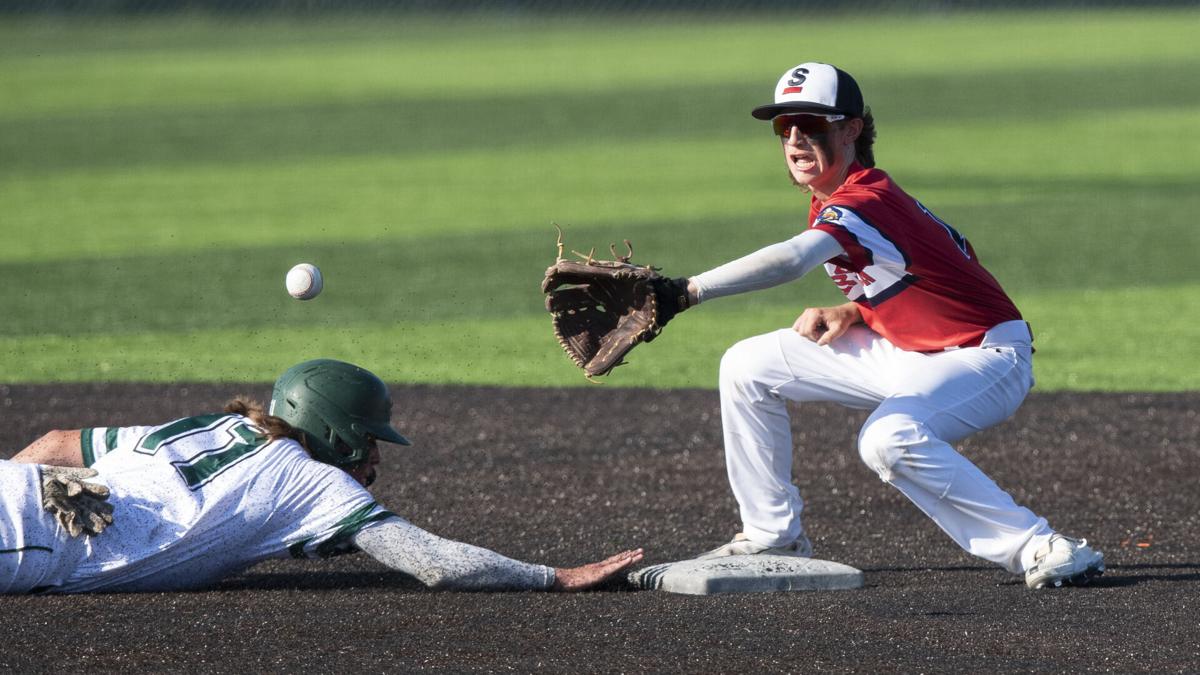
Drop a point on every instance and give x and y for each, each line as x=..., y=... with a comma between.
x=331, y=401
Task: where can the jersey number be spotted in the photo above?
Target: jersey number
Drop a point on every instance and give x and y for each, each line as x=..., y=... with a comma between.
x=206, y=465
x=959, y=240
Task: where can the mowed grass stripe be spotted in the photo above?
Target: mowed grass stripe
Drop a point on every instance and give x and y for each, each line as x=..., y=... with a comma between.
x=109, y=213
x=484, y=276
x=1043, y=242
x=1090, y=346
x=1064, y=169
x=1120, y=339
x=204, y=62
x=374, y=125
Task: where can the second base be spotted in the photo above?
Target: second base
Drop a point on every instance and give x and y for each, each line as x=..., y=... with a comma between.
x=747, y=574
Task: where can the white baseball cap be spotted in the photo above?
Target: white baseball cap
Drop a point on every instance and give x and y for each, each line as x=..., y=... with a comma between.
x=817, y=88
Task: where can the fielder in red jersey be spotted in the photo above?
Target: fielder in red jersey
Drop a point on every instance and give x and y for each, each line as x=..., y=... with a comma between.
x=928, y=341
x=915, y=279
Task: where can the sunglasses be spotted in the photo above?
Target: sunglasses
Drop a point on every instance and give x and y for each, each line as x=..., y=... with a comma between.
x=808, y=126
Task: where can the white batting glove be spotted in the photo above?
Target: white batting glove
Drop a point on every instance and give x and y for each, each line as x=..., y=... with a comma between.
x=80, y=507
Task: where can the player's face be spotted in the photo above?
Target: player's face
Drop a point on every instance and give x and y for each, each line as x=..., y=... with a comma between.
x=364, y=472
x=815, y=150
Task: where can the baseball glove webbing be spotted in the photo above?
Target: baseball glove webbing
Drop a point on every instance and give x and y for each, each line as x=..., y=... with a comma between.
x=601, y=309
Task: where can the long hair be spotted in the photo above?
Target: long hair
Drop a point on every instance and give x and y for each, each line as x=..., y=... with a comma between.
x=864, y=150
x=275, y=427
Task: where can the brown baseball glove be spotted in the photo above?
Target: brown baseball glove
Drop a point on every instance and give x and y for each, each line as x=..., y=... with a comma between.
x=604, y=308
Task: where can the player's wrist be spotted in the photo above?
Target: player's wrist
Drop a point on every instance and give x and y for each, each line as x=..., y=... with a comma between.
x=852, y=312
x=673, y=296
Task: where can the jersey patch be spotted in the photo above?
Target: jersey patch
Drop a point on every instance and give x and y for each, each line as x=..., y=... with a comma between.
x=830, y=215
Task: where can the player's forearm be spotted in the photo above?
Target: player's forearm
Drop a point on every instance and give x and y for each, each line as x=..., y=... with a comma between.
x=770, y=266
x=59, y=448
x=448, y=565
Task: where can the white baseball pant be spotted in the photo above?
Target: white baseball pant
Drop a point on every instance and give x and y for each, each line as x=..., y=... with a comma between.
x=922, y=403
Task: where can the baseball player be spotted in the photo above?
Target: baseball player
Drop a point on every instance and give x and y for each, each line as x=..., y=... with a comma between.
x=200, y=498
x=927, y=340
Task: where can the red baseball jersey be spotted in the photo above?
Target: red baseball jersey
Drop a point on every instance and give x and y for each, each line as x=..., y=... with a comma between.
x=914, y=277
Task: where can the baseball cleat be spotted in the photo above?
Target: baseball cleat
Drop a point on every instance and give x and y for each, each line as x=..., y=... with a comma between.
x=801, y=548
x=1063, y=560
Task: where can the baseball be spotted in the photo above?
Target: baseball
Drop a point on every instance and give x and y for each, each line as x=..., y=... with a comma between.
x=304, y=281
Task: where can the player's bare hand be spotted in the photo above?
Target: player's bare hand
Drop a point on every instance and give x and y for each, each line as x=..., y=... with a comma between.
x=586, y=576
x=823, y=325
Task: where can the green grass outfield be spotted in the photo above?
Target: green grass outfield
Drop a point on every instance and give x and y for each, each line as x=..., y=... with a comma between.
x=158, y=178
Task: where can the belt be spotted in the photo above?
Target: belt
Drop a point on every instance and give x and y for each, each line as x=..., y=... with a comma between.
x=1007, y=334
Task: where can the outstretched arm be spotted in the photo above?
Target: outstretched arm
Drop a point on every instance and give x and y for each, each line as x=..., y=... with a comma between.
x=450, y=565
x=770, y=266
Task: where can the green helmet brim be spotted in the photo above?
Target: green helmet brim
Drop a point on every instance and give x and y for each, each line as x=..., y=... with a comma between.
x=383, y=432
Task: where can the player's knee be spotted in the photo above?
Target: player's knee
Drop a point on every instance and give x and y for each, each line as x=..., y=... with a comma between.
x=745, y=363
x=883, y=442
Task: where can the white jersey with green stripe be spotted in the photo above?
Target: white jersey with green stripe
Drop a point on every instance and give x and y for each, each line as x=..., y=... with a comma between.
x=35, y=551
x=200, y=498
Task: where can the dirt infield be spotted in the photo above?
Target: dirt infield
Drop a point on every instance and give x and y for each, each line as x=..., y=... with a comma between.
x=567, y=476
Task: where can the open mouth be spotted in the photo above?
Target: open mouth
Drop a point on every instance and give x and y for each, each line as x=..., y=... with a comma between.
x=802, y=162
